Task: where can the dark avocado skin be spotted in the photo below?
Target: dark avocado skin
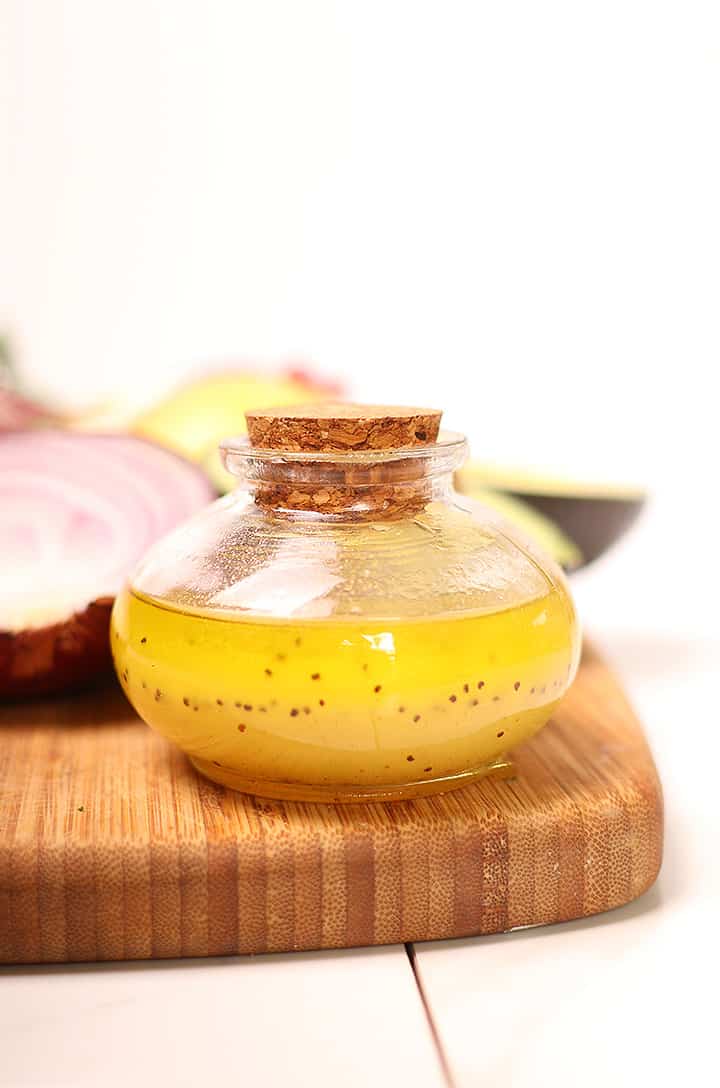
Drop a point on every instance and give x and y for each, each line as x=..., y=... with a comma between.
x=594, y=523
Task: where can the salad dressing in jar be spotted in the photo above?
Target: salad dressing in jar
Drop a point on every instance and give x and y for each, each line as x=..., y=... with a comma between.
x=344, y=627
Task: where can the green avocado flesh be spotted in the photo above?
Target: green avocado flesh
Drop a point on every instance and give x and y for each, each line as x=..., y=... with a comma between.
x=541, y=530
x=531, y=482
x=591, y=516
x=219, y=476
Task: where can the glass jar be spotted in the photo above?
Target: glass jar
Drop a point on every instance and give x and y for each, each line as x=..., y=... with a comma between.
x=344, y=626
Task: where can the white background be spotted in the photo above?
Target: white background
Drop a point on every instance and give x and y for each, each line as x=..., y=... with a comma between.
x=510, y=209
x=507, y=209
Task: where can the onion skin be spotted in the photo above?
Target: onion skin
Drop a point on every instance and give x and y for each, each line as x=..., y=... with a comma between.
x=62, y=657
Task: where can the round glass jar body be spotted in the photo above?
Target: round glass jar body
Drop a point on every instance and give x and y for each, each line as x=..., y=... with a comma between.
x=345, y=627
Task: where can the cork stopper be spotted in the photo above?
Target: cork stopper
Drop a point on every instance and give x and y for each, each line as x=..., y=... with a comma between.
x=364, y=488
x=342, y=428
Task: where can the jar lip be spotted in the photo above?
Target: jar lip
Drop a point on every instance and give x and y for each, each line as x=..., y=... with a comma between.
x=450, y=447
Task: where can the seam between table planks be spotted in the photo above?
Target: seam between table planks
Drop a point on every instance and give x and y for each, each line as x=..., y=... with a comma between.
x=440, y=1050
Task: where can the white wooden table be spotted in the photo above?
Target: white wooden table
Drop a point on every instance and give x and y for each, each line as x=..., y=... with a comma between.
x=615, y=1000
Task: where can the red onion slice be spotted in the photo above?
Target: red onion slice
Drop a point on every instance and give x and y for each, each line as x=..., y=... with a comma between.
x=76, y=514
x=18, y=412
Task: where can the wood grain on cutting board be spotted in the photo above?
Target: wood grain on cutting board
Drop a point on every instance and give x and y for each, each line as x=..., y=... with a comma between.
x=113, y=847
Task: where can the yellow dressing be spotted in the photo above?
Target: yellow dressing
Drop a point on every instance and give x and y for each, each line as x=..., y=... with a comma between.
x=345, y=709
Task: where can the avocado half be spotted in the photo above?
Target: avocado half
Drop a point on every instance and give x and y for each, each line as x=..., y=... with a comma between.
x=591, y=517
x=196, y=416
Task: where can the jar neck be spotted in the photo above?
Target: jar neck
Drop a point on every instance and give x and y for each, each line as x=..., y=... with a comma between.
x=358, y=486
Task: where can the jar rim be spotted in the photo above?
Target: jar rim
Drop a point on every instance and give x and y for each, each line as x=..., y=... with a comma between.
x=447, y=453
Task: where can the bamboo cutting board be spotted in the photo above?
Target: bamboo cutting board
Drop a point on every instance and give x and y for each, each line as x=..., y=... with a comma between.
x=112, y=847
